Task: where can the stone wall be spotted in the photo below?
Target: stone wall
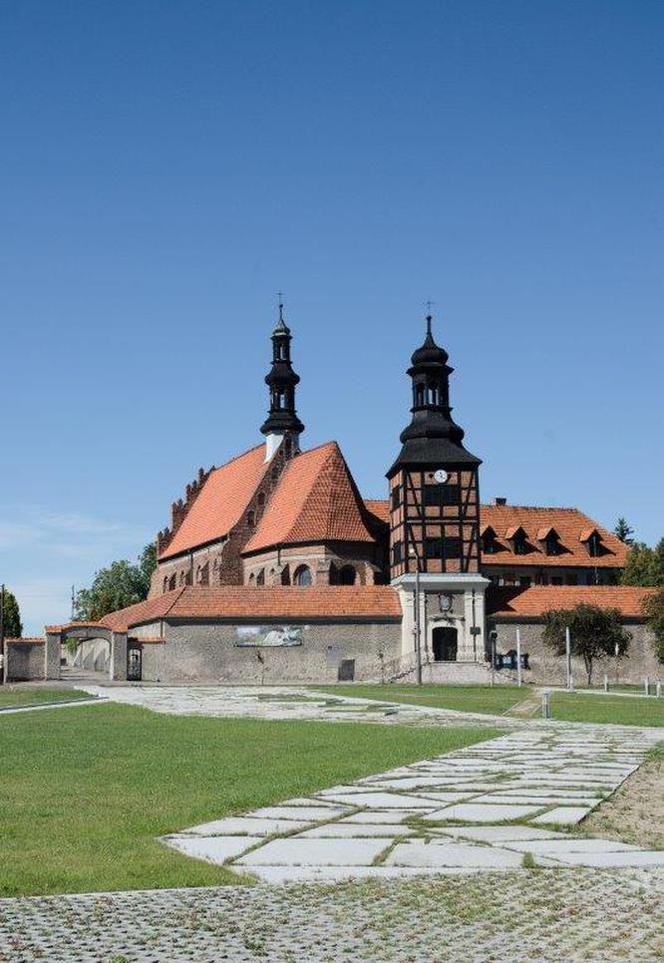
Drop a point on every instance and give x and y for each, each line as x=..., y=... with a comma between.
x=209, y=652
x=26, y=659
x=545, y=667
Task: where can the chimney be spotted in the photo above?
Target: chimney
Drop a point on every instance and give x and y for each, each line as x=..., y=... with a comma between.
x=500, y=501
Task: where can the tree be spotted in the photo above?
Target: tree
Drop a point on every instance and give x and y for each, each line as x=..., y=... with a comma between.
x=624, y=531
x=594, y=633
x=653, y=609
x=13, y=627
x=115, y=587
x=644, y=566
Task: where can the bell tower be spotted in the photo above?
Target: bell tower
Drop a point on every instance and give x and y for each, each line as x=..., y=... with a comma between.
x=434, y=516
x=282, y=422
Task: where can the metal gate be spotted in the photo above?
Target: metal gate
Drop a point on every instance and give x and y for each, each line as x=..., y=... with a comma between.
x=134, y=665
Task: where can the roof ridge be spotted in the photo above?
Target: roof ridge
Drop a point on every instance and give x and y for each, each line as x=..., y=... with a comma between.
x=537, y=508
x=323, y=444
x=241, y=455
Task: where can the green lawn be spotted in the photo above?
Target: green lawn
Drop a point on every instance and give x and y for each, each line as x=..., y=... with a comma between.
x=620, y=710
x=466, y=698
x=17, y=695
x=85, y=791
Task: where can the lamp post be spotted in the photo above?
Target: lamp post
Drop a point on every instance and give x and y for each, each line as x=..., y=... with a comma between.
x=418, y=627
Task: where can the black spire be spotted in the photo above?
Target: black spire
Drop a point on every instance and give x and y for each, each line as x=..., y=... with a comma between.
x=432, y=439
x=281, y=380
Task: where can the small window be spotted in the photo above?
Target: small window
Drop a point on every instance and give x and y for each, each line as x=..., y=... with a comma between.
x=396, y=497
x=489, y=545
x=551, y=544
x=251, y=519
x=443, y=547
x=204, y=578
x=572, y=579
x=260, y=578
x=594, y=545
x=396, y=553
x=439, y=495
x=171, y=582
x=303, y=576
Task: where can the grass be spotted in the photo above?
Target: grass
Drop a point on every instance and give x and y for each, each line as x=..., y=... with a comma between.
x=84, y=792
x=604, y=708
x=18, y=696
x=465, y=698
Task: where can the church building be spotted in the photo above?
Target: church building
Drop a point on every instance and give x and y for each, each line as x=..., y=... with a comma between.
x=275, y=568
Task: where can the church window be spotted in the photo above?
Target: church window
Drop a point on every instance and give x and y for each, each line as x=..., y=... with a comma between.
x=171, y=582
x=251, y=519
x=166, y=583
x=204, y=576
x=261, y=501
x=260, y=578
x=303, y=575
x=285, y=575
x=347, y=575
x=252, y=579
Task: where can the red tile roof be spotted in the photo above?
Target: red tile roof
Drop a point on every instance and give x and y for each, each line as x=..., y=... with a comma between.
x=380, y=507
x=363, y=602
x=570, y=524
x=315, y=501
x=221, y=502
x=532, y=602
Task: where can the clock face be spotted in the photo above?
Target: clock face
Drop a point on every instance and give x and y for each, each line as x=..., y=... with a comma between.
x=440, y=476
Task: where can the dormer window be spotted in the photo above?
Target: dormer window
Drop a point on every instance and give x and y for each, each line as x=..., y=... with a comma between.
x=550, y=540
x=593, y=542
x=517, y=536
x=489, y=543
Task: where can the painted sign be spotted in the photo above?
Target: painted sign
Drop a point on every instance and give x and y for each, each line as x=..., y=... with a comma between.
x=269, y=636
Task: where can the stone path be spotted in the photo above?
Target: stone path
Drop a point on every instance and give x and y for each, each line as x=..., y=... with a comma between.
x=480, y=808
x=292, y=703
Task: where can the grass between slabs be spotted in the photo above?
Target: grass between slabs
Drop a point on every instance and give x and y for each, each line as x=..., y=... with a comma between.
x=84, y=792
x=646, y=711
x=17, y=696
x=493, y=700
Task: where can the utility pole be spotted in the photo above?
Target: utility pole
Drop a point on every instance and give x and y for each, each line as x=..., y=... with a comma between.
x=3, y=672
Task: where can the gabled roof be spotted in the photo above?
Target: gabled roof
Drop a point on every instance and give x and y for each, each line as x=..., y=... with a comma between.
x=221, y=502
x=380, y=507
x=315, y=501
x=570, y=525
x=532, y=602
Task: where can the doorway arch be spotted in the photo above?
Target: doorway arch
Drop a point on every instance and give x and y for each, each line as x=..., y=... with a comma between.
x=444, y=643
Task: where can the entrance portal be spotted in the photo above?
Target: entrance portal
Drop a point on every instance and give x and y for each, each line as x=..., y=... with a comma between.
x=444, y=644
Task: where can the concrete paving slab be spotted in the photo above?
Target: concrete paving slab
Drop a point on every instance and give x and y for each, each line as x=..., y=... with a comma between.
x=246, y=825
x=385, y=800
x=568, y=844
x=309, y=814
x=356, y=830
x=295, y=851
x=369, y=816
x=438, y=853
x=564, y=815
x=213, y=849
x=500, y=834
x=472, y=813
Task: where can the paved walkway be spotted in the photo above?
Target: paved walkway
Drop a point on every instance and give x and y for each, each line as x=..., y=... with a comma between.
x=480, y=808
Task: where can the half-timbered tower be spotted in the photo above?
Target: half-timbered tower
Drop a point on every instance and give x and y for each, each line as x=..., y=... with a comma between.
x=434, y=513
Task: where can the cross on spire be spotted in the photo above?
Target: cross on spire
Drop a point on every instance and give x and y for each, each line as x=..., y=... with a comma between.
x=429, y=316
x=280, y=304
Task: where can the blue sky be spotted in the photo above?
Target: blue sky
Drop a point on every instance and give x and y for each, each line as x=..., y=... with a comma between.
x=167, y=167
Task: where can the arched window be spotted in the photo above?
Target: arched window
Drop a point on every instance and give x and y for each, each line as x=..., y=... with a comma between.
x=251, y=519
x=165, y=583
x=204, y=578
x=171, y=582
x=183, y=578
x=285, y=575
x=347, y=575
x=260, y=578
x=252, y=579
x=303, y=576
